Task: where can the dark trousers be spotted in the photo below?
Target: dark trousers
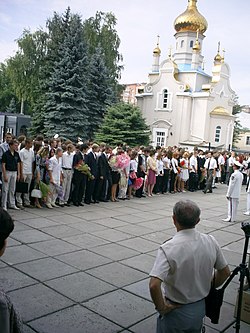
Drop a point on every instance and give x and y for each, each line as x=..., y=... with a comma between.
x=159, y=184
x=78, y=182
x=90, y=191
x=193, y=181
x=172, y=180
x=101, y=185
x=165, y=181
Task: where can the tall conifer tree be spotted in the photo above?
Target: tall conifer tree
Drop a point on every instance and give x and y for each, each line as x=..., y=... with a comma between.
x=99, y=91
x=66, y=111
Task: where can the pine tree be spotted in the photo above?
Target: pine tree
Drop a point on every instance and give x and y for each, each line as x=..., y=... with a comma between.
x=124, y=123
x=12, y=108
x=66, y=112
x=99, y=91
x=57, y=29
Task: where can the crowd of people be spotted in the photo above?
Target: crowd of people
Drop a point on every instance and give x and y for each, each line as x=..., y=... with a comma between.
x=87, y=172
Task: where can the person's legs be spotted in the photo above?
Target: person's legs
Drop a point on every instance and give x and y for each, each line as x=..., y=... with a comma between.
x=229, y=211
x=5, y=192
x=12, y=188
x=235, y=203
x=26, y=196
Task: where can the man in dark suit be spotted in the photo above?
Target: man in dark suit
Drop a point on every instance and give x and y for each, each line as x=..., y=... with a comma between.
x=79, y=179
x=104, y=175
x=91, y=160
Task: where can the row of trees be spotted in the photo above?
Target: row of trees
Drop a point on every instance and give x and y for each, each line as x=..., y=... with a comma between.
x=66, y=77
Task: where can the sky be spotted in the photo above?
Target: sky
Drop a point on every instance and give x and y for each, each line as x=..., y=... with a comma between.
x=138, y=24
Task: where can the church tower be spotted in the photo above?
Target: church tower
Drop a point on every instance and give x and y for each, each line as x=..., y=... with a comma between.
x=190, y=27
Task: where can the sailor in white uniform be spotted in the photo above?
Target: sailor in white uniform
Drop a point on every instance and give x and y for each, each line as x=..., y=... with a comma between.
x=233, y=192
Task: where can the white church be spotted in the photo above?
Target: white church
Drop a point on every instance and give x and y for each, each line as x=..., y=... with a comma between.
x=182, y=104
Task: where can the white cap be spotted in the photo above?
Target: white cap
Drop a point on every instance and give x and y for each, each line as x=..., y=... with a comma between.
x=238, y=164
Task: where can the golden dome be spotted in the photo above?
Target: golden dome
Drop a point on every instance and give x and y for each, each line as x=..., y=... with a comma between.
x=157, y=51
x=217, y=57
x=191, y=19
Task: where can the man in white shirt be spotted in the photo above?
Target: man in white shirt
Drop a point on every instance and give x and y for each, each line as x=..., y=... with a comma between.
x=55, y=175
x=193, y=173
x=67, y=170
x=27, y=158
x=210, y=166
x=233, y=192
x=184, y=268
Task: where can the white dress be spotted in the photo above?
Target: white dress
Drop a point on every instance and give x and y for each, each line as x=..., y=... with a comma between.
x=184, y=170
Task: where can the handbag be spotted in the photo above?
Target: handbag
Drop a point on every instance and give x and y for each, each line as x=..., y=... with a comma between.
x=22, y=187
x=213, y=303
x=36, y=193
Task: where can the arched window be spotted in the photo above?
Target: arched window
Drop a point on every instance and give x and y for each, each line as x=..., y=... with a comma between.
x=191, y=43
x=217, y=134
x=165, y=99
x=182, y=43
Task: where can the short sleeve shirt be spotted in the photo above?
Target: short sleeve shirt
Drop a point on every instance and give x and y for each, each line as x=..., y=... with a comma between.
x=185, y=265
x=11, y=160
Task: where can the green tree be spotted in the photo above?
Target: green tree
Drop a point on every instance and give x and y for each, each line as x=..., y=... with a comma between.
x=101, y=31
x=12, y=108
x=66, y=112
x=25, y=67
x=124, y=123
x=237, y=126
x=99, y=91
x=57, y=27
x=6, y=89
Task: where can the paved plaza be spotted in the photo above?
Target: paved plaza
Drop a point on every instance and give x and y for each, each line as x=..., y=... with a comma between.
x=85, y=269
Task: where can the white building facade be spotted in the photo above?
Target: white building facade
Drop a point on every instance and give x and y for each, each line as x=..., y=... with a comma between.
x=182, y=104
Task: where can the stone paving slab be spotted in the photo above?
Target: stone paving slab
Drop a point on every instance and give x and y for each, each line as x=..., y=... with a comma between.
x=80, y=286
x=83, y=259
x=38, y=300
x=37, y=223
x=142, y=262
x=117, y=274
x=121, y=307
x=54, y=247
x=115, y=251
x=85, y=241
x=75, y=319
x=20, y=254
x=96, y=279
x=46, y=269
x=30, y=236
x=11, y=279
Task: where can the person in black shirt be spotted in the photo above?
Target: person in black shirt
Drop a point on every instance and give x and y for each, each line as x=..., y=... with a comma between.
x=11, y=169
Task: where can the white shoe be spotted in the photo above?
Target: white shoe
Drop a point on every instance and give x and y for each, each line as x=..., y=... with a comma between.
x=228, y=219
x=247, y=213
x=49, y=206
x=54, y=205
x=14, y=207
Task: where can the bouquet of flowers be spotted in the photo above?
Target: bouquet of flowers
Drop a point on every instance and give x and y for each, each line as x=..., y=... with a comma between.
x=113, y=163
x=182, y=163
x=44, y=189
x=85, y=169
x=122, y=161
x=137, y=183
